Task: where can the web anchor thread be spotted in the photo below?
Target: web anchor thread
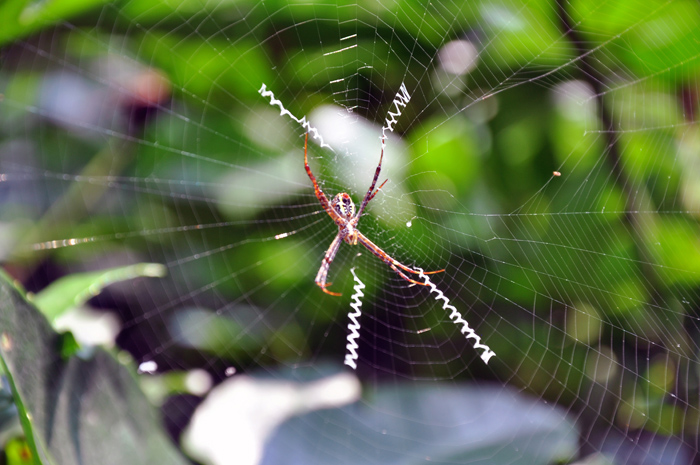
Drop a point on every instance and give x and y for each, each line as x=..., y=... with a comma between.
x=354, y=324
x=457, y=319
x=283, y=111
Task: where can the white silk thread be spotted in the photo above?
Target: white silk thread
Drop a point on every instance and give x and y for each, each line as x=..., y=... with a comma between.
x=283, y=111
x=457, y=319
x=354, y=324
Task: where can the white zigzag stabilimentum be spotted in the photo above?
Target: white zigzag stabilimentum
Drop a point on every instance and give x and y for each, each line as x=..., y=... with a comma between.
x=456, y=317
x=401, y=100
x=354, y=325
x=283, y=111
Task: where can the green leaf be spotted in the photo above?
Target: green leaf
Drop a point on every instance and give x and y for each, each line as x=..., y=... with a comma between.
x=449, y=424
x=18, y=453
x=74, y=410
x=19, y=18
x=69, y=345
x=76, y=289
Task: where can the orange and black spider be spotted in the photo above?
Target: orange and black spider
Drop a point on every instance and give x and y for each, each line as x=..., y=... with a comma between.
x=342, y=210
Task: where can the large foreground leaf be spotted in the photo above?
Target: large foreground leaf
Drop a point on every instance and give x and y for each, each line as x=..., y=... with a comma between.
x=86, y=410
x=431, y=423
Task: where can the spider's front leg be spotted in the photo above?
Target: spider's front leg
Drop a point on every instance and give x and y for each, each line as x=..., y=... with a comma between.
x=322, y=274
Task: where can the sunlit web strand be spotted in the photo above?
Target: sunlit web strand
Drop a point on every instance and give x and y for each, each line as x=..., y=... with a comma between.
x=68, y=242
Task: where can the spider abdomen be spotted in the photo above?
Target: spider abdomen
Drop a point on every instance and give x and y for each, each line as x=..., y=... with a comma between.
x=351, y=234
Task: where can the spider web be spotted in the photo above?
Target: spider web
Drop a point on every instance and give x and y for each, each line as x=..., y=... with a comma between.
x=547, y=160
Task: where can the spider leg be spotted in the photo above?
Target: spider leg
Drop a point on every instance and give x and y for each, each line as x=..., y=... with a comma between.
x=391, y=265
x=320, y=195
x=410, y=270
x=394, y=264
x=428, y=272
x=378, y=189
x=322, y=274
x=369, y=195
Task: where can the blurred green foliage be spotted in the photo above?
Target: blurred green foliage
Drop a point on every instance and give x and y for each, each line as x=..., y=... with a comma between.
x=95, y=411
x=607, y=253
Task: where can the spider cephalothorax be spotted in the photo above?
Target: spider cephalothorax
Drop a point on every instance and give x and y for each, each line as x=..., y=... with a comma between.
x=343, y=205
x=342, y=210
x=346, y=221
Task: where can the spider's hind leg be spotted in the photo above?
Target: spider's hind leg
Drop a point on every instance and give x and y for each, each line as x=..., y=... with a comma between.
x=411, y=270
x=427, y=272
x=406, y=277
x=322, y=274
x=324, y=288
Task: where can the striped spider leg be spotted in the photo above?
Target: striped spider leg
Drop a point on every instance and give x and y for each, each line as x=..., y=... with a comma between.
x=342, y=210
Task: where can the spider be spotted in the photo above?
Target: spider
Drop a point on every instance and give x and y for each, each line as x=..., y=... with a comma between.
x=342, y=210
